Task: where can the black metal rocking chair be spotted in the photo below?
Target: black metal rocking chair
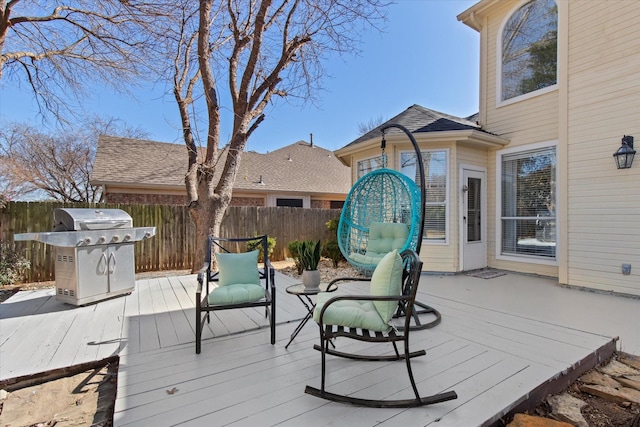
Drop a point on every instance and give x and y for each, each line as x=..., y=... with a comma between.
x=239, y=282
x=405, y=297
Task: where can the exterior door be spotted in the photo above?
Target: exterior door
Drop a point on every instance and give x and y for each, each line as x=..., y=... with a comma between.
x=473, y=223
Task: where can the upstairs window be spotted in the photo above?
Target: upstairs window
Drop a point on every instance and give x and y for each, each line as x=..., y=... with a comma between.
x=529, y=49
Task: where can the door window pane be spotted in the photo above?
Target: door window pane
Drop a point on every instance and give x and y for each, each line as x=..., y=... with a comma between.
x=474, y=229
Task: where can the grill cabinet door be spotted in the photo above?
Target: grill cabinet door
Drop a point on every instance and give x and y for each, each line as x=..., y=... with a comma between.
x=121, y=268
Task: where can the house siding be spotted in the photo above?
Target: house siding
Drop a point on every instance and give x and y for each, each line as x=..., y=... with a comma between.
x=595, y=102
x=528, y=121
x=603, y=105
x=145, y=199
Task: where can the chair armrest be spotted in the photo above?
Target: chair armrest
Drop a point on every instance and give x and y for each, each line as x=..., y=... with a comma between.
x=349, y=279
x=202, y=273
x=270, y=274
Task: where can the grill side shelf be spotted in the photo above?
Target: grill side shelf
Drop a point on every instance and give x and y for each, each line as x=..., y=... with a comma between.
x=71, y=239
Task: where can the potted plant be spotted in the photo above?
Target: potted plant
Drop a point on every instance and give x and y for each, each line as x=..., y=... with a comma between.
x=309, y=252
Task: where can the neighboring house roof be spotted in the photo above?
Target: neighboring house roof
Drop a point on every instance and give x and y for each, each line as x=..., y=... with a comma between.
x=419, y=119
x=300, y=167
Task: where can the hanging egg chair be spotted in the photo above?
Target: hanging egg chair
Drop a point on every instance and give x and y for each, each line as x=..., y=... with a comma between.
x=385, y=211
x=381, y=213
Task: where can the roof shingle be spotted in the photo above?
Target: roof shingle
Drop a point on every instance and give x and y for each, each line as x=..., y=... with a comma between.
x=299, y=167
x=418, y=119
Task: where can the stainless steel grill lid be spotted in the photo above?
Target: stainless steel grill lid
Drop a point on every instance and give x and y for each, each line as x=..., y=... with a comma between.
x=74, y=219
x=89, y=227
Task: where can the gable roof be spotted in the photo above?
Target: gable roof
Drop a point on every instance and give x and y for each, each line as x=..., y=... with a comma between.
x=419, y=119
x=300, y=167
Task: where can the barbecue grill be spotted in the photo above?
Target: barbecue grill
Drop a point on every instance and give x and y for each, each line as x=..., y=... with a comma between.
x=94, y=253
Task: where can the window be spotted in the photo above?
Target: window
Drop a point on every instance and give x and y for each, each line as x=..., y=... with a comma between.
x=294, y=203
x=435, y=172
x=529, y=49
x=528, y=203
x=369, y=165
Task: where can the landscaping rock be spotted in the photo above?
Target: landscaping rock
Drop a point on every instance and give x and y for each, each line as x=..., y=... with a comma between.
x=620, y=396
x=567, y=408
x=524, y=420
x=598, y=378
x=618, y=369
x=630, y=360
x=631, y=383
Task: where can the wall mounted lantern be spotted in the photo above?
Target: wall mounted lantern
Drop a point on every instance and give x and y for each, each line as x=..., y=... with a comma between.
x=624, y=155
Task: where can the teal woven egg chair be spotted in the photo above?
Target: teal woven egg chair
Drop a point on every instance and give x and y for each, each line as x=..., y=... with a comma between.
x=381, y=213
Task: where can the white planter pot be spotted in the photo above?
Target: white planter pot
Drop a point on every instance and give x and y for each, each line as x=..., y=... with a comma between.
x=311, y=279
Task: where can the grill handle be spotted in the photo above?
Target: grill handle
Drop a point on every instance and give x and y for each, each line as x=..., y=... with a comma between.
x=98, y=224
x=112, y=262
x=104, y=262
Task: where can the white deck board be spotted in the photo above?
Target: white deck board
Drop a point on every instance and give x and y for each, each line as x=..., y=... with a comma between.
x=491, y=358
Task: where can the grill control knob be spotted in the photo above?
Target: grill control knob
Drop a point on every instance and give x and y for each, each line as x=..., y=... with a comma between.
x=87, y=240
x=126, y=237
x=115, y=238
x=102, y=239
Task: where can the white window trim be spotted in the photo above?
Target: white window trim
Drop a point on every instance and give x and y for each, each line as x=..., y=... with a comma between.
x=446, y=204
x=499, y=101
x=530, y=259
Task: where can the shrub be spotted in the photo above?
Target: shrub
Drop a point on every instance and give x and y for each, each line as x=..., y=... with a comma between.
x=294, y=251
x=333, y=252
x=332, y=225
x=12, y=265
x=256, y=244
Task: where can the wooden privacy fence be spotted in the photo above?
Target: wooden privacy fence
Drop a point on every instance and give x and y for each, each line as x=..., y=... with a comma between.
x=173, y=246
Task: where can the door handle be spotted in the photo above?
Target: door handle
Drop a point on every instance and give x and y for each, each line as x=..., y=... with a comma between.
x=112, y=263
x=103, y=262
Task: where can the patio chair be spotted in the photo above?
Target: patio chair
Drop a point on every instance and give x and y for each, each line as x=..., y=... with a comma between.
x=238, y=282
x=385, y=210
x=367, y=318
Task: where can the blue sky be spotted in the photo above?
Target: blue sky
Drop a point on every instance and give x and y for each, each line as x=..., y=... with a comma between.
x=424, y=56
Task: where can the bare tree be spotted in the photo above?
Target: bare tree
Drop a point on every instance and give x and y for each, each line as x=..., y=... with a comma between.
x=365, y=127
x=243, y=55
x=56, y=47
x=56, y=166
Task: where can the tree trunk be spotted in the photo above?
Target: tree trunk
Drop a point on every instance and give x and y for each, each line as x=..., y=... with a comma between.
x=207, y=215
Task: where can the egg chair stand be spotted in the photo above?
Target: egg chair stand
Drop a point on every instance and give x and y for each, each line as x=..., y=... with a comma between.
x=385, y=210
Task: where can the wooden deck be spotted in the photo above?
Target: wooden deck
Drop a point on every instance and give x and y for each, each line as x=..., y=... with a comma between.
x=495, y=361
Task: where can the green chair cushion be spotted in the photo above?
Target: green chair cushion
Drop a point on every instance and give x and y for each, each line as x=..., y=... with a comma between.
x=387, y=281
x=369, y=259
x=349, y=313
x=386, y=236
x=238, y=268
x=236, y=294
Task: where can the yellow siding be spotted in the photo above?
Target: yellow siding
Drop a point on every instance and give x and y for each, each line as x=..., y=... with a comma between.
x=531, y=120
x=603, y=105
x=441, y=257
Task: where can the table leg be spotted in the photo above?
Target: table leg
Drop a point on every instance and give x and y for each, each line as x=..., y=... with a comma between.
x=310, y=306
